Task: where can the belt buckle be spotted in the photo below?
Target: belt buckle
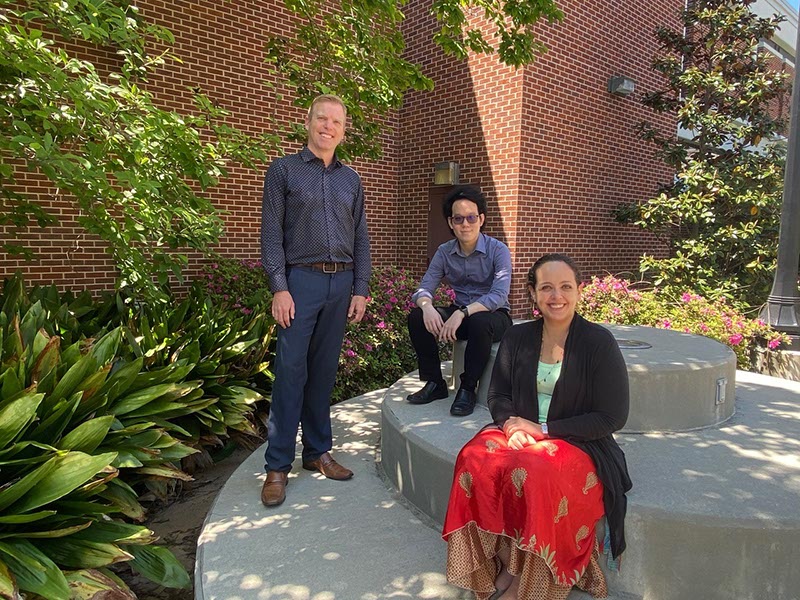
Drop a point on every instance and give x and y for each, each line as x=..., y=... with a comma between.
x=325, y=268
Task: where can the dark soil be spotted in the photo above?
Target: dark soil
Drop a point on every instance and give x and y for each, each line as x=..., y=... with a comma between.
x=178, y=526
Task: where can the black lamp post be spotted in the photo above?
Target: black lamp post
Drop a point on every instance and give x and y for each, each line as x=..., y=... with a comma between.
x=782, y=310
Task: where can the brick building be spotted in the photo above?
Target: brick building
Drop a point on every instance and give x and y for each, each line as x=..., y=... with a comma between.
x=553, y=150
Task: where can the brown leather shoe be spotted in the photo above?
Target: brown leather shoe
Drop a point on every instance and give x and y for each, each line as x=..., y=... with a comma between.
x=274, y=491
x=328, y=467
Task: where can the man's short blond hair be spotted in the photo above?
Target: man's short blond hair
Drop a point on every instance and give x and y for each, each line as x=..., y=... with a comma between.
x=327, y=98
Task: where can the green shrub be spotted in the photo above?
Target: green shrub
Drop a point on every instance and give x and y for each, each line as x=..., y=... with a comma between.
x=377, y=351
x=614, y=300
x=238, y=284
x=99, y=400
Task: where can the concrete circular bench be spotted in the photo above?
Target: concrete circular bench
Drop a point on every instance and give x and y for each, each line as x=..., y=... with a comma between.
x=678, y=381
x=713, y=513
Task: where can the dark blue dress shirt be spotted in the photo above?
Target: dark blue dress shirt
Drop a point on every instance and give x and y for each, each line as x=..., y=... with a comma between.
x=312, y=213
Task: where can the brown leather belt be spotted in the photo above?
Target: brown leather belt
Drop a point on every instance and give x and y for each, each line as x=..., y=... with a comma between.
x=327, y=267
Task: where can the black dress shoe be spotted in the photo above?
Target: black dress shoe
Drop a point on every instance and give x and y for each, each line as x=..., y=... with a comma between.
x=464, y=403
x=431, y=391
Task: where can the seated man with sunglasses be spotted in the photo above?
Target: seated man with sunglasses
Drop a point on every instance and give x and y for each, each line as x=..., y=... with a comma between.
x=478, y=268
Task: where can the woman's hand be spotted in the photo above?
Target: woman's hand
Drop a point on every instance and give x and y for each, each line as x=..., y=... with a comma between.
x=519, y=425
x=520, y=440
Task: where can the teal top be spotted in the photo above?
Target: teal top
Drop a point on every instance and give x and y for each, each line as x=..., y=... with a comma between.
x=546, y=378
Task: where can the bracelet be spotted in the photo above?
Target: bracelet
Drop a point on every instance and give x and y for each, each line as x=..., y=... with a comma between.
x=544, y=430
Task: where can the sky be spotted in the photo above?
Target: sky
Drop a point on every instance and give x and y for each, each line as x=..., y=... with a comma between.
x=793, y=3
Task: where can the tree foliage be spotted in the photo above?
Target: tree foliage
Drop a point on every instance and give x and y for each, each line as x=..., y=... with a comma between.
x=138, y=173
x=720, y=215
x=354, y=48
x=135, y=171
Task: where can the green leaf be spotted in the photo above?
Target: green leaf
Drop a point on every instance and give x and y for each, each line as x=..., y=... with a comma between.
x=73, y=470
x=106, y=348
x=159, y=565
x=117, y=532
x=74, y=376
x=16, y=415
x=33, y=570
x=29, y=518
x=78, y=553
x=87, y=436
x=124, y=499
x=140, y=398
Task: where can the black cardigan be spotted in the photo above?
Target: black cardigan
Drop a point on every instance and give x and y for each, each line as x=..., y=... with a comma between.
x=590, y=402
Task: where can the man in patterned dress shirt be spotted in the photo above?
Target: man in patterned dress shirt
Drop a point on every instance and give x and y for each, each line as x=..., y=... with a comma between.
x=315, y=250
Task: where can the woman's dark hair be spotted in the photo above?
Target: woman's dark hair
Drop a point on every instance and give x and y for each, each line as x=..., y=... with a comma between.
x=463, y=192
x=553, y=257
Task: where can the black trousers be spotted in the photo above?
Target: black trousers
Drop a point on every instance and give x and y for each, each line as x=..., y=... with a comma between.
x=479, y=330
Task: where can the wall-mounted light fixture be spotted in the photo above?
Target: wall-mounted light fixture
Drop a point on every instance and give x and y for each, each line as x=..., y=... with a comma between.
x=619, y=85
x=445, y=173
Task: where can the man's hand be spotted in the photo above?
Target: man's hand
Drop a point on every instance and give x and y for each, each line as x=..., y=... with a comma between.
x=432, y=319
x=283, y=308
x=448, y=331
x=358, y=306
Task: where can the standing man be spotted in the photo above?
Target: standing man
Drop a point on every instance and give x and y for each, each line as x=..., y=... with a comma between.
x=315, y=250
x=478, y=268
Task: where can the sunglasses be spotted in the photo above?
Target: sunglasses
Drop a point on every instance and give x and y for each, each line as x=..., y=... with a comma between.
x=459, y=219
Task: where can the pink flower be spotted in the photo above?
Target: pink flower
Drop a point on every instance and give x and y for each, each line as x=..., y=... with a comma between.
x=703, y=327
x=381, y=325
x=772, y=344
x=666, y=324
x=686, y=297
x=735, y=339
x=392, y=299
x=616, y=310
x=349, y=353
x=368, y=347
x=247, y=311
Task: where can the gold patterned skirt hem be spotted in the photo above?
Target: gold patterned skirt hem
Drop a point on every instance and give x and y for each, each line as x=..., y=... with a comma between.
x=471, y=565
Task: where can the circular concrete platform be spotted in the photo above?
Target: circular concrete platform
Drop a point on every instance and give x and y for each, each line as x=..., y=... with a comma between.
x=714, y=513
x=678, y=381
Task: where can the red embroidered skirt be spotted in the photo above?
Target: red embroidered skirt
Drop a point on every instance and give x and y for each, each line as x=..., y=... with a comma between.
x=543, y=502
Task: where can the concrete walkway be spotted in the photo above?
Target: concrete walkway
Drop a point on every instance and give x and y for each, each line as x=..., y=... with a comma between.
x=358, y=540
x=330, y=539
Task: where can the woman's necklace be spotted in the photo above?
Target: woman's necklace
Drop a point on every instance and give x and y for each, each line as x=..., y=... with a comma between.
x=552, y=349
x=543, y=376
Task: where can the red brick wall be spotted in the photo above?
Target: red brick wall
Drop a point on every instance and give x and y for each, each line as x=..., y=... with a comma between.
x=580, y=153
x=221, y=49
x=551, y=148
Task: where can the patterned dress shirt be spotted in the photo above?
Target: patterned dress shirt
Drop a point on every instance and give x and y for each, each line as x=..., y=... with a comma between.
x=484, y=276
x=312, y=213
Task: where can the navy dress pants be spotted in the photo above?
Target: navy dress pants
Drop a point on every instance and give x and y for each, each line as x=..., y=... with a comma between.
x=480, y=330
x=306, y=361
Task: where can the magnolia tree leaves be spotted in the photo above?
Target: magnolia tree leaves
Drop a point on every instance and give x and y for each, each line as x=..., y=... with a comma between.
x=720, y=216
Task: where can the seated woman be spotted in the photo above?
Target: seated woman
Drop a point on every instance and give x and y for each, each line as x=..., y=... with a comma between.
x=529, y=489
